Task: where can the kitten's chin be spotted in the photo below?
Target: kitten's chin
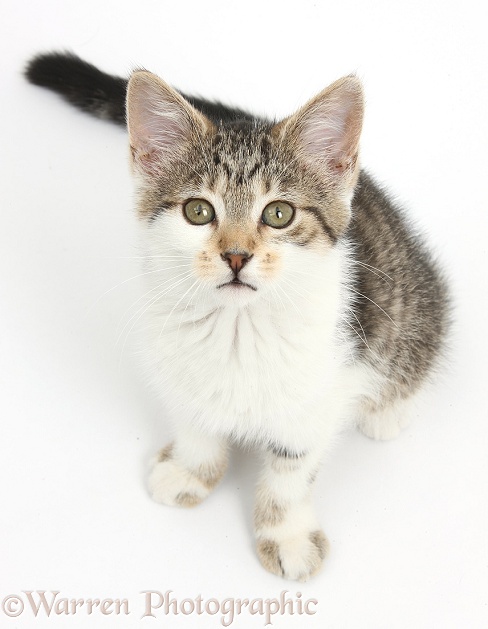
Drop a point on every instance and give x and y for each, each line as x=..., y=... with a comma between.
x=236, y=293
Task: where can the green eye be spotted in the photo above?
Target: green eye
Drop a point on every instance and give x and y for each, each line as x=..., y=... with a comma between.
x=278, y=214
x=199, y=212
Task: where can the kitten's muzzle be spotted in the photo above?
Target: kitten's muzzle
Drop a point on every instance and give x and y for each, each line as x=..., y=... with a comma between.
x=236, y=261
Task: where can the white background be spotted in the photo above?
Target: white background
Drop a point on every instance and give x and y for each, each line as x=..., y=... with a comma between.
x=407, y=520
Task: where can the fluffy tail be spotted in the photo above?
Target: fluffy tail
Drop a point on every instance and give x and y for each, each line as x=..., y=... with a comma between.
x=102, y=95
x=81, y=84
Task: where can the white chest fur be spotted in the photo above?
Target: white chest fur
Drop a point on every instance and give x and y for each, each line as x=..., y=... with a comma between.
x=254, y=373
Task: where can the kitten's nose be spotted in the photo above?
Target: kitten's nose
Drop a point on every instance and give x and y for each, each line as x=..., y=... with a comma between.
x=236, y=260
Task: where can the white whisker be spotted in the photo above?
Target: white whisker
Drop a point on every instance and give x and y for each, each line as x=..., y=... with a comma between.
x=146, y=307
x=373, y=270
x=359, y=322
x=373, y=302
x=175, y=306
x=134, y=277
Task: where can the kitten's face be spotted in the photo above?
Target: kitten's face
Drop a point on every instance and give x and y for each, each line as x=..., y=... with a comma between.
x=246, y=215
x=248, y=209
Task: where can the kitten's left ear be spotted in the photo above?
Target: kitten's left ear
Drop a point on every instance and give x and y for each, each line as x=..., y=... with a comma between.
x=326, y=131
x=161, y=122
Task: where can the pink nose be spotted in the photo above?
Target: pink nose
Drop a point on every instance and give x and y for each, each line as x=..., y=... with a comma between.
x=236, y=260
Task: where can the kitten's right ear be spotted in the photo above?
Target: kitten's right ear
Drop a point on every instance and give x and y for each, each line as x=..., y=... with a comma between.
x=161, y=122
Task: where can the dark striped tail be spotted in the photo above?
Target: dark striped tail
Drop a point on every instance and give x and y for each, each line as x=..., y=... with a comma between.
x=81, y=84
x=103, y=95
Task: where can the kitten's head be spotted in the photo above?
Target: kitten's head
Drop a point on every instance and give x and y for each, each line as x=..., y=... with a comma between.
x=246, y=205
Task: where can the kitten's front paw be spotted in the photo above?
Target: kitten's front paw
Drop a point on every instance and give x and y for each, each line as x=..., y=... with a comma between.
x=173, y=484
x=298, y=557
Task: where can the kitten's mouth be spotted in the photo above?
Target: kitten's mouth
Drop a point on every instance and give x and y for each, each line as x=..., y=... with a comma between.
x=236, y=282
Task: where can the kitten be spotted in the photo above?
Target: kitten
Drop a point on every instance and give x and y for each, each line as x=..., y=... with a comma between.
x=288, y=294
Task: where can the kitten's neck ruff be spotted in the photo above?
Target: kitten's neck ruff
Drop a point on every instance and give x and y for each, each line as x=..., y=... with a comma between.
x=223, y=353
x=232, y=368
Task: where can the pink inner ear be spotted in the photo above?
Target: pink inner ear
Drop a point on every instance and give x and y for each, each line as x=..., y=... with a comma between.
x=160, y=121
x=330, y=126
x=323, y=136
x=327, y=137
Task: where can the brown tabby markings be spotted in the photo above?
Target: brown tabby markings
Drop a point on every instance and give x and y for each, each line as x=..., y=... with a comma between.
x=268, y=552
x=319, y=540
x=208, y=475
x=401, y=298
x=186, y=499
x=268, y=513
x=166, y=453
x=242, y=167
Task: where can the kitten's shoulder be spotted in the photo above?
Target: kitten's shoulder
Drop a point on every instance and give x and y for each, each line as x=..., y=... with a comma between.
x=378, y=218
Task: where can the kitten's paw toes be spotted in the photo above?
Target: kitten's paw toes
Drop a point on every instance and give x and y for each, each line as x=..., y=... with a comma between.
x=171, y=483
x=297, y=558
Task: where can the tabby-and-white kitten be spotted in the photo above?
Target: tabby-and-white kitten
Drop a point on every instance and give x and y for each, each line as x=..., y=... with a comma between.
x=288, y=296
